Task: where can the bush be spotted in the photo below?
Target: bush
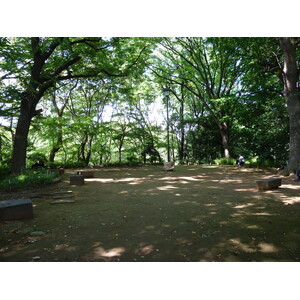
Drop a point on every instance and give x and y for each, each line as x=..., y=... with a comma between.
x=28, y=178
x=133, y=160
x=66, y=165
x=225, y=161
x=4, y=171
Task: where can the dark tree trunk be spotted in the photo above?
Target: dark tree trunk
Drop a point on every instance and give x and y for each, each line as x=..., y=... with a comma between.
x=52, y=154
x=57, y=146
x=182, y=133
x=291, y=77
x=20, y=140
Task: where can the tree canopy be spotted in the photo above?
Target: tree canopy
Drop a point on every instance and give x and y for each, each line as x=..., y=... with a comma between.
x=71, y=101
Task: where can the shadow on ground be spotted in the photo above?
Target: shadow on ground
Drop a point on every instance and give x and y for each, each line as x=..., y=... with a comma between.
x=196, y=213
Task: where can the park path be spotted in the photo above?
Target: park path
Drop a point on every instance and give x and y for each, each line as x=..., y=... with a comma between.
x=196, y=213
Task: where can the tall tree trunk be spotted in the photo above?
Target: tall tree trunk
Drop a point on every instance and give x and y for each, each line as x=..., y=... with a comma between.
x=20, y=141
x=291, y=76
x=52, y=154
x=57, y=145
x=225, y=139
x=182, y=133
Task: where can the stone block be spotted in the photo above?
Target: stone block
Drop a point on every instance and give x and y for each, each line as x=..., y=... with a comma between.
x=268, y=183
x=86, y=173
x=169, y=166
x=15, y=209
x=77, y=179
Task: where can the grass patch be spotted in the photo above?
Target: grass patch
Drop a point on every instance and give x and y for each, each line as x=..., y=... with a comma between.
x=29, y=178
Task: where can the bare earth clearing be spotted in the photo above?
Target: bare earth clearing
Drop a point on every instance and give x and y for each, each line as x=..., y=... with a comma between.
x=196, y=213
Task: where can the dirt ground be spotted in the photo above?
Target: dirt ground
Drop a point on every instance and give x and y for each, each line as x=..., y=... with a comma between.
x=144, y=214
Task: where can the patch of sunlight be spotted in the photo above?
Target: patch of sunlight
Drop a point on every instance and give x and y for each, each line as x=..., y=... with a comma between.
x=290, y=186
x=123, y=192
x=230, y=180
x=210, y=167
x=130, y=180
x=183, y=241
x=189, y=178
x=267, y=248
x=242, y=246
x=253, y=227
x=245, y=190
x=210, y=204
x=186, y=202
x=183, y=182
x=150, y=227
x=102, y=180
x=177, y=195
x=145, y=250
x=223, y=223
x=166, y=188
x=126, y=179
x=182, y=178
x=243, y=206
x=166, y=225
x=136, y=182
x=166, y=178
x=292, y=201
x=100, y=252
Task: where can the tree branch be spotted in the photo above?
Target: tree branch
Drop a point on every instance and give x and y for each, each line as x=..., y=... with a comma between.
x=52, y=47
x=65, y=66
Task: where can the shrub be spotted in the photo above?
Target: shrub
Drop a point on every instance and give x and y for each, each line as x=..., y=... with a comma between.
x=225, y=161
x=133, y=160
x=66, y=165
x=28, y=178
x=4, y=171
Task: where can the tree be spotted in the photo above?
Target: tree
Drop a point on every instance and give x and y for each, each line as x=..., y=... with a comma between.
x=210, y=68
x=38, y=63
x=290, y=73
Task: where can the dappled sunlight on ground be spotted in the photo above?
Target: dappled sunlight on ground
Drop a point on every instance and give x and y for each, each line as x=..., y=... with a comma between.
x=292, y=187
x=195, y=213
x=166, y=188
x=102, y=180
x=144, y=249
x=101, y=253
x=244, y=205
x=294, y=200
x=254, y=247
x=246, y=190
x=267, y=248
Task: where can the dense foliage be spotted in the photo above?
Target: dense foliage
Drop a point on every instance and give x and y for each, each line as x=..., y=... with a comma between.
x=95, y=101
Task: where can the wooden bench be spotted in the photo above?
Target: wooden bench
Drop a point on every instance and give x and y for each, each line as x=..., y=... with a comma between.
x=15, y=209
x=86, y=173
x=268, y=183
